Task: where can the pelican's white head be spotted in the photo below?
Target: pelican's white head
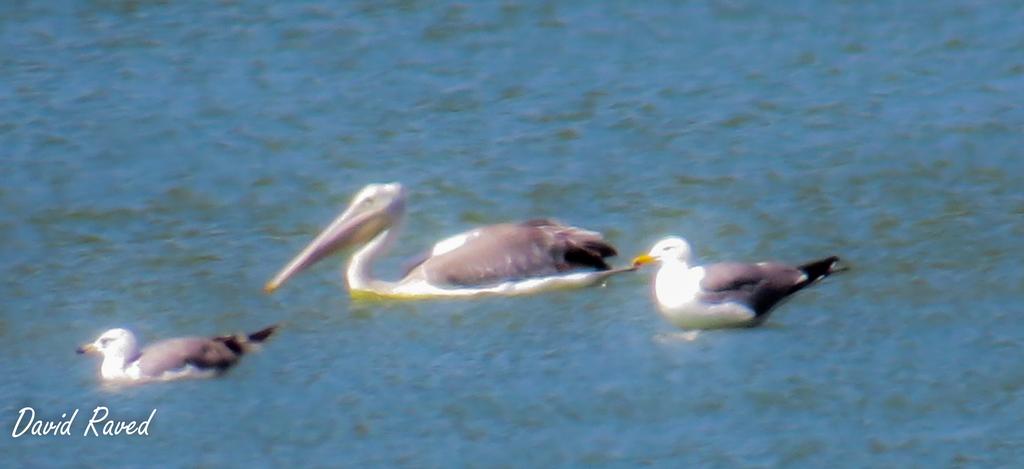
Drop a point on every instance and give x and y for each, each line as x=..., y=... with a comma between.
x=389, y=197
x=118, y=347
x=672, y=248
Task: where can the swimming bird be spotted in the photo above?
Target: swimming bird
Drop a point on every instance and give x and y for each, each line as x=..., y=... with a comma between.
x=182, y=357
x=727, y=294
x=503, y=259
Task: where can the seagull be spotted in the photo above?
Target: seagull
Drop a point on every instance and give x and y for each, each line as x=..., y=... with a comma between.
x=169, y=359
x=505, y=259
x=727, y=294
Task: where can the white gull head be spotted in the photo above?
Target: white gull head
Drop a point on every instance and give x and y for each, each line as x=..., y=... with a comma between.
x=669, y=249
x=118, y=347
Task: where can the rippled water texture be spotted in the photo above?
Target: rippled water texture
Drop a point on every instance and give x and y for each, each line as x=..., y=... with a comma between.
x=162, y=159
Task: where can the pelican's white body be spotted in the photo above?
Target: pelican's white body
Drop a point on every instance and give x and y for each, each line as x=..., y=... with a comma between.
x=361, y=283
x=371, y=218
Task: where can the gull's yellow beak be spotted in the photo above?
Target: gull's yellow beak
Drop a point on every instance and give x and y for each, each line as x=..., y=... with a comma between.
x=87, y=348
x=642, y=259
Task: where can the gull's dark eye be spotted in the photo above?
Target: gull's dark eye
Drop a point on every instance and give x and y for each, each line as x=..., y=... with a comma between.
x=104, y=341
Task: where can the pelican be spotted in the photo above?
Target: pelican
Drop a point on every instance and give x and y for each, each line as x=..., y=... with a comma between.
x=727, y=294
x=169, y=359
x=504, y=259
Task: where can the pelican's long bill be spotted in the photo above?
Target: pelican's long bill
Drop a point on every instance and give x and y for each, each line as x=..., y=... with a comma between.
x=366, y=217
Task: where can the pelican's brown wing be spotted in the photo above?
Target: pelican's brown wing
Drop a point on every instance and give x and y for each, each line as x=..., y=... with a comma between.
x=508, y=251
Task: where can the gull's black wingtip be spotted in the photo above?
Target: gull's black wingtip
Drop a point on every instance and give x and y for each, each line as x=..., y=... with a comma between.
x=822, y=268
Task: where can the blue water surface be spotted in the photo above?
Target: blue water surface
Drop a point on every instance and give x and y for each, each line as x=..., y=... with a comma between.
x=161, y=160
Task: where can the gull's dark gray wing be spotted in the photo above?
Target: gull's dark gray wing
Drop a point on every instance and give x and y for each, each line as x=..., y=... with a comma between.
x=217, y=353
x=175, y=354
x=760, y=286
